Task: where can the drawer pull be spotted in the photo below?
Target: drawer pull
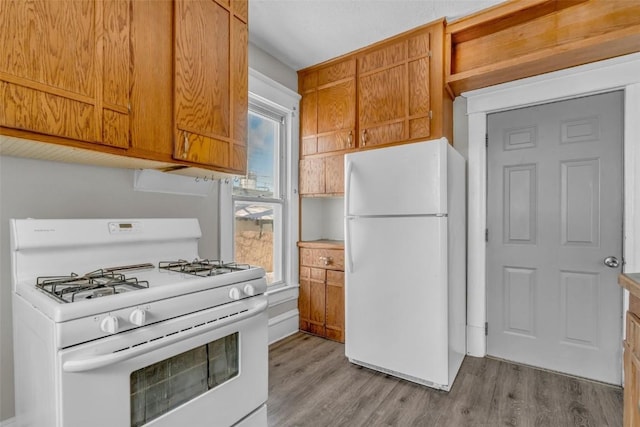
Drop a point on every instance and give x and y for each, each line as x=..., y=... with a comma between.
x=326, y=259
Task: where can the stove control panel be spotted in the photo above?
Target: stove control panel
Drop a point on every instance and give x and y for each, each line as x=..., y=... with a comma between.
x=124, y=227
x=125, y=319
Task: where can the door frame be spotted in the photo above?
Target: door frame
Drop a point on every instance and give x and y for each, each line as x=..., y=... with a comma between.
x=621, y=73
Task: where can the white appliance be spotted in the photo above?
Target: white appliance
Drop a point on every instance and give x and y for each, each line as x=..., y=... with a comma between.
x=405, y=255
x=119, y=323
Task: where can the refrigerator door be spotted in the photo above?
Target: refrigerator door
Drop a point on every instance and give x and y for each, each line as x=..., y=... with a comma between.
x=406, y=179
x=396, y=296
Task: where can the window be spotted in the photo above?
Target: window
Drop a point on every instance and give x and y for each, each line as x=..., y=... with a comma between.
x=259, y=198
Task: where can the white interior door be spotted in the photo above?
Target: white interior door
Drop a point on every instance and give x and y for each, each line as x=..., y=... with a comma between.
x=554, y=214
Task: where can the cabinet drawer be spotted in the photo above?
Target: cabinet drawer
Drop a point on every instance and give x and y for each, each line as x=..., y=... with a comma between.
x=331, y=259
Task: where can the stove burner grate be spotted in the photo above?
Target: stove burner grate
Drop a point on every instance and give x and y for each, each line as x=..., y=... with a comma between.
x=203, y=267
x=96, y=284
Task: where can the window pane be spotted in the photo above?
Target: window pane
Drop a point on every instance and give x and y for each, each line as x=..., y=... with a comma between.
x=258, y=237
x=262, y=179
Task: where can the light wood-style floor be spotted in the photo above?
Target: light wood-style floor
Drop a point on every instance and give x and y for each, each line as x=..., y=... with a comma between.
x=311, y=383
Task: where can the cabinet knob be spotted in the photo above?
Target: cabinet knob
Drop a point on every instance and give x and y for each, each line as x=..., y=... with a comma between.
x=325, y=259
x=350, y=138
x=364, y=138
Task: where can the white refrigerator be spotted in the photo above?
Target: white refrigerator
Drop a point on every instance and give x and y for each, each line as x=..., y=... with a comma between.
x=405, y=254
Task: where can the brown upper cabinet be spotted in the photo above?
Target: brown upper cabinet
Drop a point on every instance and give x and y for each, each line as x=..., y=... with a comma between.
x=391, y=92
x=524, y=38
x=211, y=83
x=328, y=120
x=107, y=76
x=394, y=93
x=64, y=69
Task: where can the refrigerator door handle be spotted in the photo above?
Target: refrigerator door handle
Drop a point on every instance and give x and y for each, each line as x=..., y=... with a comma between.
x=347, y=243
x=347, y=187
x=347, y=219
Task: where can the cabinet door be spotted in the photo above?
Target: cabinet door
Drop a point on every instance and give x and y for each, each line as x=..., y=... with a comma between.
x=334, y=174
x=210, y=49
x=328, y=108
x=311, y=300
x=304, y=298
x=65, y=69
x=393, y=92
x=334, y=323
x=151, y=81
x=336, y=106
x=311, y=176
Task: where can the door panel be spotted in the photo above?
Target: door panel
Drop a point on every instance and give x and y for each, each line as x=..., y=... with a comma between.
x=551, y=301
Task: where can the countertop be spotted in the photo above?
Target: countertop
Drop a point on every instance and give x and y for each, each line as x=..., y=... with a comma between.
x=631, y=282
x=322, y=244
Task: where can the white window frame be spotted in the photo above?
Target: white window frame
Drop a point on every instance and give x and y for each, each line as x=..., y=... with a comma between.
x=267, y=92
x=279, y=197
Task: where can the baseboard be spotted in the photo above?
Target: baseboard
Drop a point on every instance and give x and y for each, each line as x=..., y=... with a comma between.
x=10, y=422
x=283, y=325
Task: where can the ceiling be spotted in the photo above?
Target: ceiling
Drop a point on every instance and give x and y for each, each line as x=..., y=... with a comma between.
x=301, y=33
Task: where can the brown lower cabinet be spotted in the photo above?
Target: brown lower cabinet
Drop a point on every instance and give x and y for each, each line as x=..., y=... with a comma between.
x=632, y=352
x=321, y=300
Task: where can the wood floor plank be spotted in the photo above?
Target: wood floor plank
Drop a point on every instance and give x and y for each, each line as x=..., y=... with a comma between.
x=312, y=384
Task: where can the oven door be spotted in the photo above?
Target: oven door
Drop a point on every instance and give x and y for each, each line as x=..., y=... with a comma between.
x=204, y=369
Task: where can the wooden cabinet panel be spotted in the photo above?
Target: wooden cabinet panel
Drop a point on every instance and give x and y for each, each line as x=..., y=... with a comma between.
x=210, y=49
x=336, y=110
x=632, y=372
x=240, y=98
x=631, y=360
x=334, y=328
x=332, y=259
x=65, y=67
x=328, y=108
x=311, y=176
x=151, y=79
x=317, y=302
x=394, y=101
x=334, y=174
x=322, y=175
x=522, y=39
x=321, y=297
x=50, y=42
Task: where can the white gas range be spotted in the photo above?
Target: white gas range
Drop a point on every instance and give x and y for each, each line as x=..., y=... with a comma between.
x=119, y=322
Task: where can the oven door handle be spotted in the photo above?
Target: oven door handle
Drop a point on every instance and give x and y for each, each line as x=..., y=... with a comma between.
x=100, y=361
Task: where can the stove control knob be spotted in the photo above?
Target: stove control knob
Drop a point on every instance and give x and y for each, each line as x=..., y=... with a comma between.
x=138, y=317
x=109, y=324
x=249, y=290
x=234, y=294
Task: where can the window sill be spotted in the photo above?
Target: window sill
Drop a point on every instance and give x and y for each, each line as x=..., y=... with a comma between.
x=282, y=293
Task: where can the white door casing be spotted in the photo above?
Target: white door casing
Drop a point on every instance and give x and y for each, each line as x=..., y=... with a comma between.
x=618, y=73
x=554, y=213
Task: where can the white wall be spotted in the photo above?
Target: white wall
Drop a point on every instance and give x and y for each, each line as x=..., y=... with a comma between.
x=261, y=61
x=44, y=189
x=322, y=218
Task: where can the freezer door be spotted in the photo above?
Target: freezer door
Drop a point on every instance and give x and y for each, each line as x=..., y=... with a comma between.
x=396, y=295
x=401, y=180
